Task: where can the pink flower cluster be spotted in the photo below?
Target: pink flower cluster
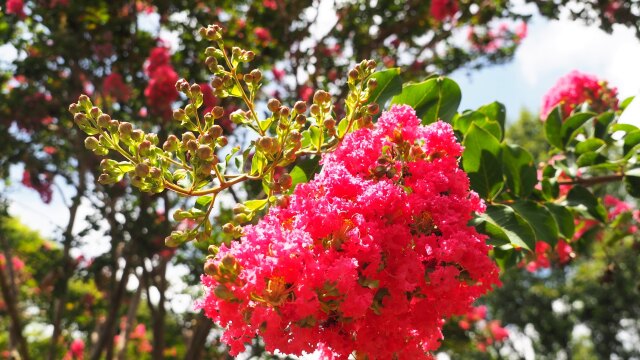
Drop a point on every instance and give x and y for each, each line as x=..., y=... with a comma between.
x=161, y=90
x=115, y=87
x=76, y=350
x=576, y=88
x=563, y=252
x=15, y=7
x=492, y=40
x=443, y=9
x=370, y=256
x=40, y=183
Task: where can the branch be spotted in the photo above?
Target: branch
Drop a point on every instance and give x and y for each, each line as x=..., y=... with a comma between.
x=593, y=180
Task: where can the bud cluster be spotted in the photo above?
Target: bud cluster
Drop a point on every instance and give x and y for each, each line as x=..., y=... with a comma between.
x=190, y=164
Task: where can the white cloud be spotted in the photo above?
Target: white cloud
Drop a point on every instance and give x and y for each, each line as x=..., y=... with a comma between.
x=553, y=48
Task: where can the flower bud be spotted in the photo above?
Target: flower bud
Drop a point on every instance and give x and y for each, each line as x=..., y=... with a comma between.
x=217, y=112
x=300, y=107
x=192, y=145
x=249, y=55
x=239, y=209
x=248, y=78
x=301, y=119
x=171, y=144
x=353, y=75
x=314, y=109
x=144, y=147
x=186, y=137
x=142, y=170
x=180, y=115
x=73, y=109
x=155, y=173
x=215, y=131
x=373, y=108
x=228, y=228
x=85, y=102
x=137, y=135
x=91, y=143
x=216, y=82
x=125, y=129
x=371, y=64
x=372, y=84
x=103, y=120
x=222, y=141
x=212, y=63
x=257, y=75
x=238, y=117
x=329, y=123
x=273, y=105
x=285, y=181
x=210, y=268
x=204, y=152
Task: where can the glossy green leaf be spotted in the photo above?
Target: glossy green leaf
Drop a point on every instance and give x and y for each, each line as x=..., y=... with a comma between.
x=631, y=140
x=580, y=197
x=541, y=220
x=552, y=126
x=255, y=205
x=590, y=158
x=520, y=170
x=433, y=99
x=496, y=112
x=626, y=102
x=482, y=162
x=203, y=202
x=571, y=126
x=389, y=84
x=592, y=144
x=564, y=219
x=518, y=230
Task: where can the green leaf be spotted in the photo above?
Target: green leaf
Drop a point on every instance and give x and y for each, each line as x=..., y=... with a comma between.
x=590, y=158
x=305, y=170
x=603, y=121
x=315, y=136
x=462, y=122
x=518, y=231
x=571, y=126
x=541, y=220
x=125, y=166
x=389, y=84
x=203, y=202
x=495, y=111
x=519, y=169
x=564, y=219
x=258, y=163
x=630, y=141
x=342, y=127
x=255, y=205
x=592, y=144
x=580, y=197
x=632, y=185
x=626, y=102
x=433, y=99
x=623, y=127
x=482, y=162
x=552, y=126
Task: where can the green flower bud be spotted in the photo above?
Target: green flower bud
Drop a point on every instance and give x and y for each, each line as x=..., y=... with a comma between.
x=137, y=135
x=171, y=144
x=91, y=143
x=85, y=102
x=103, y=120
x=95, y=112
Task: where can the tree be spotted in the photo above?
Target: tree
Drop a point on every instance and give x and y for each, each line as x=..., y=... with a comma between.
x=90, y=46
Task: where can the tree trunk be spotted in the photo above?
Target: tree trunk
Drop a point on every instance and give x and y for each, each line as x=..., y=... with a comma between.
x=199, y=337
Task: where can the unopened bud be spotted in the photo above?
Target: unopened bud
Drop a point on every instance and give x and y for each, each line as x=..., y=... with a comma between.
x=228, y=228
x=210, y=268
x=217, y=112
x=125, y=129
x=257, y=75
x=204, y=152
x=192, y=145
x=142, y=170
x=215, y=131
x=103, y=120
x=144, y=147
x=285, y=181
x=155, y=173
x=186, y=137
x=301, y=119
x=314, y=109
x=373, y=109
x=330, y=123
x=91, y=143
x=273, y=105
